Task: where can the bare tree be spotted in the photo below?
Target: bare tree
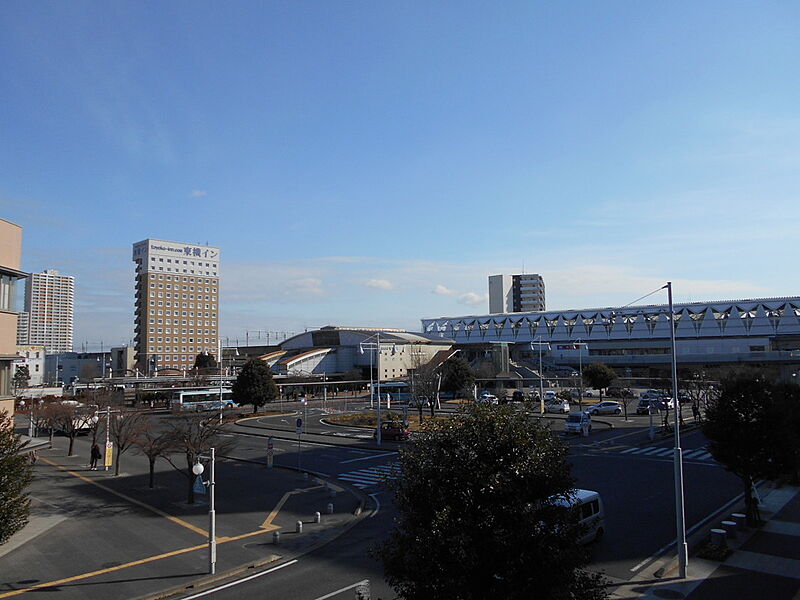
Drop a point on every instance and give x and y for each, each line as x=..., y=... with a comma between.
x=124, y=430
x=153, y=445
x=68, y=419
x=192, y=436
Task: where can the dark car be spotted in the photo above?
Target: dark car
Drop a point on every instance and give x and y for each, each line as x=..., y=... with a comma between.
x=394, y=430
x=518, y=396
x=617, y=391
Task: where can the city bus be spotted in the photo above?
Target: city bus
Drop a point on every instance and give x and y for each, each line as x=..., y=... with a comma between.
x=200, y=400
x=397, y=390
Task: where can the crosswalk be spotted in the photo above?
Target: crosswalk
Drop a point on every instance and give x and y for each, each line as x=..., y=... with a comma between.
x=695, y=454
x=371, y=476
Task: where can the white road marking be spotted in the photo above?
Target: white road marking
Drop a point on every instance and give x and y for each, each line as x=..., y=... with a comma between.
x=377, y=505
x=367, y=457
x=238, y=581
x=344, y=589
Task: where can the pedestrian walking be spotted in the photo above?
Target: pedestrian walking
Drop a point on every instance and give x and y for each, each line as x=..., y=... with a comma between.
x=95, y=456
x=32, y=457
x=696, y=412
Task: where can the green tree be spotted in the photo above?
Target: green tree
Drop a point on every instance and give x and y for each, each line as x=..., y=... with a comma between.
x=254, y=385
x=457, y=375
x=738, y=425
x=22, y=377
x=204, y=360
x=16, y=473
x=599, y=376
x=476, y=518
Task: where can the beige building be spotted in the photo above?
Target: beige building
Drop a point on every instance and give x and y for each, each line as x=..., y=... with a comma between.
x=10, y=258
x=177, y=304
x=49, y=304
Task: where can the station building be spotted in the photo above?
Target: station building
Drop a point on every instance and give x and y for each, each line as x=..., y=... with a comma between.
x=635, y=340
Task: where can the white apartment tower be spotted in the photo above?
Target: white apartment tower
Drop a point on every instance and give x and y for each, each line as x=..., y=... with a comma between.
x=516, y=293
x=49, y=304
x=177, y=304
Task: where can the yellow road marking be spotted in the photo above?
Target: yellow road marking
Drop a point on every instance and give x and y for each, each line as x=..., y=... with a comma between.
x=134, y=563
x=268, y=521
x=157, y=511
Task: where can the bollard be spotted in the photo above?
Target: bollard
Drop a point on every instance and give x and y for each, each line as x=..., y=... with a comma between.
x=740, y=519
x=317, y=517
x=718, y=537
x=330, y=508
x=299, y=527
x=276, y=537
x=730, y=527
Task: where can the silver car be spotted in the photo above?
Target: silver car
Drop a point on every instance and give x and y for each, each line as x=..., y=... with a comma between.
x=556, y=405
x=606, y=407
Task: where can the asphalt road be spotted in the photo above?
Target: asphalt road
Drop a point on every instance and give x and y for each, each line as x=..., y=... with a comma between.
x=637, y=486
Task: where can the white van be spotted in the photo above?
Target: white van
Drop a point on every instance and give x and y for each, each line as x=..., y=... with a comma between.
x=592, y=515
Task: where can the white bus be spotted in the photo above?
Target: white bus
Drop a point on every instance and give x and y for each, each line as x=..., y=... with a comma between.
x=201, y=400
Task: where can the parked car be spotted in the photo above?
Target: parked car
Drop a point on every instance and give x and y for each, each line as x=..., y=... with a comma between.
x=577, y=421
x=616, y=391
x=575, y=393
x=549, y=395
x=394, y=430
x=518, y=396
x=651, y=394
x=644, y=405
x=487, y=399
x=591, y=514
x=606, y=407
x=556, y=405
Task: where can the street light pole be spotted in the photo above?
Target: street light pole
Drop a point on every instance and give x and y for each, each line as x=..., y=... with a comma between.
x=541, y=379
x=683, y=551
x=378, y=430
x=198, y=469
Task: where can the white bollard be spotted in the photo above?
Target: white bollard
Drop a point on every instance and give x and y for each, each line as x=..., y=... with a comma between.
x=730, y=527
x=299, y=527
x=317, y=517
x=718, y=537
x=330, y=508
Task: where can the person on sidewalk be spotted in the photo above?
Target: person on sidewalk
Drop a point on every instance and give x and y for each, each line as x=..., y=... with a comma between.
x=95, y=456
x=695, y=412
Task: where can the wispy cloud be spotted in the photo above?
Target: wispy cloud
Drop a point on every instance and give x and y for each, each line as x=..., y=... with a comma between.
x=473, y=299
x=442, y=290
x=198, y=193
x=380, y=284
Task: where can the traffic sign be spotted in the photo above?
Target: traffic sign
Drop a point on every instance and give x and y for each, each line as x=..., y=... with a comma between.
x=299, y=425
x=199, y=487
x=109, y=456
x=270, y=444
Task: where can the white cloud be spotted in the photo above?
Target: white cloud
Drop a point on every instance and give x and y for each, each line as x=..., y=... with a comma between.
x=443, y=291
x=306, y=285
x=380, y=284
x=473, y=299
x=198, y=193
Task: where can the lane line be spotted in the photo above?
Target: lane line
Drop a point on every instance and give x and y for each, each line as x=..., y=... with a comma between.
x=337, y=592
x=629, y=450
x=274, y=513
x=377, y=505
x=238, y=581
x=367, y=457
x=152, y=509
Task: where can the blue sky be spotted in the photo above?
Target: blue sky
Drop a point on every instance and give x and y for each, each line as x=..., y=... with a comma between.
x=371, y=163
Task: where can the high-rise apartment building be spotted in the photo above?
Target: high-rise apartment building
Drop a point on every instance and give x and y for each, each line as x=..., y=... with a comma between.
x=50, y=304
x=177, y=304
x=516, y=293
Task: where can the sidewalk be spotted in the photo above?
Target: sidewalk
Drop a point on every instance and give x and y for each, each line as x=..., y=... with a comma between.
x=764, y=562
x=94, y=535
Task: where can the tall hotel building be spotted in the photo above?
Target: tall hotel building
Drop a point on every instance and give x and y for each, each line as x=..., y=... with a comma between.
x=177, y=304
x=516, y=293
x=49, y=308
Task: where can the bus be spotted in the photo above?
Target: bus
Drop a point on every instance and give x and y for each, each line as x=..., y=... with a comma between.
x=201, y=400
x=397, y=390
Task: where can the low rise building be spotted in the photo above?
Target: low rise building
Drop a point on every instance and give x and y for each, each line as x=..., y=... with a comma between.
x=32, y=357
x=10, y=260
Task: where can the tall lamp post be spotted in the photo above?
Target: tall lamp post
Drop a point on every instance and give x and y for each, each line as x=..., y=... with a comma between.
x=540, y=343
x=683, y=553
x=580, y=346
x=198, y=469
x=376, y=345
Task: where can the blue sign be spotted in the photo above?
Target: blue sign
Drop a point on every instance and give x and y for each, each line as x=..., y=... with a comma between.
x=299, y=425
x=199, y=487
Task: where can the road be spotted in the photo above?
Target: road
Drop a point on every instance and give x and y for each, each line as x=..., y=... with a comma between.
x=637, y=486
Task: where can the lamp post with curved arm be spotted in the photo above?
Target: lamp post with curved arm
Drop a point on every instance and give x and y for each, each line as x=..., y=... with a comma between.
x=540, y=343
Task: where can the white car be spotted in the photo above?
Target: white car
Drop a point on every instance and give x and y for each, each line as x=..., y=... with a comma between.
x=556, y=405
x=576, y=422
x=487, y=399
